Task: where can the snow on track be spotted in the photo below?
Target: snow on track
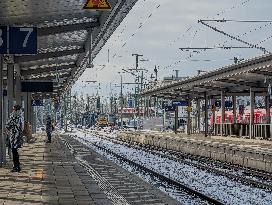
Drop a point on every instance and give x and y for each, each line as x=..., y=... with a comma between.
x=219, y=187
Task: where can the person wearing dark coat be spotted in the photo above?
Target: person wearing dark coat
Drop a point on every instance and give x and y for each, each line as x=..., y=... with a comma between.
x=49, y=129
x=14, y=131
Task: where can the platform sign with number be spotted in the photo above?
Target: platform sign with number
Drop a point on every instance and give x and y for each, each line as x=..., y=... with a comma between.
x=23, y=40
x=18, y=40
x=3, y=40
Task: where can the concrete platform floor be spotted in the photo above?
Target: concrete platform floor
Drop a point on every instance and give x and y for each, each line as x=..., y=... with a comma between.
x=66, y=172
x=250, y=143
x=48, y=176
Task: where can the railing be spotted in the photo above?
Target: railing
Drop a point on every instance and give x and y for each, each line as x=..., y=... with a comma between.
x=241, y=130
x=261, y=130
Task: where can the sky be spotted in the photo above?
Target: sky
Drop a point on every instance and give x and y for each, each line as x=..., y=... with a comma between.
x=158, y=28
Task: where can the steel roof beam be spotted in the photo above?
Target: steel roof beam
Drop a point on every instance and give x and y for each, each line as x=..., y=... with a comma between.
x=48, y=69
x=41, y=20
x=227, y=71
x=39, y=56
x=45, y=31
x=109, y=22
x=241, y=83
x=210, y=88
x=52, y=77
x=52, y=73
x=261, y=72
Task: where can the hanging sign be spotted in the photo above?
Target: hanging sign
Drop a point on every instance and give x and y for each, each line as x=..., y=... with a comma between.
x=3, y=40
x=180, y=103
x=102, y=5
x=228, y=104
x=169, y=108
x=189, y=109
x=18, y=40
x=130, y=102
x=36, y=86
x=217, y=103
x=213, y=108
x=37, y=102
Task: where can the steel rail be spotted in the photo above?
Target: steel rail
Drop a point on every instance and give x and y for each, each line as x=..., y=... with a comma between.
x=180, y=156
x=162, y=177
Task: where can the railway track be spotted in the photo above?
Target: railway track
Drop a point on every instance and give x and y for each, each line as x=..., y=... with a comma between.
x=182, y=158
x=163, y=178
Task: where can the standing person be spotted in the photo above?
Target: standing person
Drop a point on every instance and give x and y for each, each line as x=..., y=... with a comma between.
x=49, y=128
x=15, y=135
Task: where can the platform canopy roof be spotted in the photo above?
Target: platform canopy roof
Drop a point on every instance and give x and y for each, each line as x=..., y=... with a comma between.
x=63, y=36
x=234, y=80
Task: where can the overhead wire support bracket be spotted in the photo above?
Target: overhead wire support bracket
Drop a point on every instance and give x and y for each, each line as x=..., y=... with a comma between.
x=232, y=20
x=210, y=48
x=233, y=37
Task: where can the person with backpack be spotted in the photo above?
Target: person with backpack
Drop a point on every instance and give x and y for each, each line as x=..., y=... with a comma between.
x=14, y=130
x=49, y=129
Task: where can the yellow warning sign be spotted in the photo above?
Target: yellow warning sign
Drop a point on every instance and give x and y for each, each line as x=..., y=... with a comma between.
x=97, y=5
x=213, y=108
x=189, y=109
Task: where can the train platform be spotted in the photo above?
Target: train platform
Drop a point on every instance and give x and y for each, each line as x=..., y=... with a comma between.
x=253, y=144
x=67, y=172
x=251, y=153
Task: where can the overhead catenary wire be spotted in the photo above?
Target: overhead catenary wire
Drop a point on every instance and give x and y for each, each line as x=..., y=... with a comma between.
x=223, y=43
x=210, y=48
x=233, y=37
x=141, y=24
x=218, y=14
x=237, y=21
x=125, y=26
x=191, y=27
x=245, y=33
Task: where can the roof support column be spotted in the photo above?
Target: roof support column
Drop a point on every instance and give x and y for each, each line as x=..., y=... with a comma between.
x=268, y=119
x=148, y=106
x=213, y=114
x=10, y=73
x=176, y=119
x=5, y=109
x=206, y=114
x=66, y=107
x=198, y=123
x=33, y=118
x=251, y=119
x=222, y=113
x=267, y=105
x=189, y=124
x=234, y=102
x=164, y=119
x=2, y=136
x=18, y=94
x=27, y=105
x=155, y=106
